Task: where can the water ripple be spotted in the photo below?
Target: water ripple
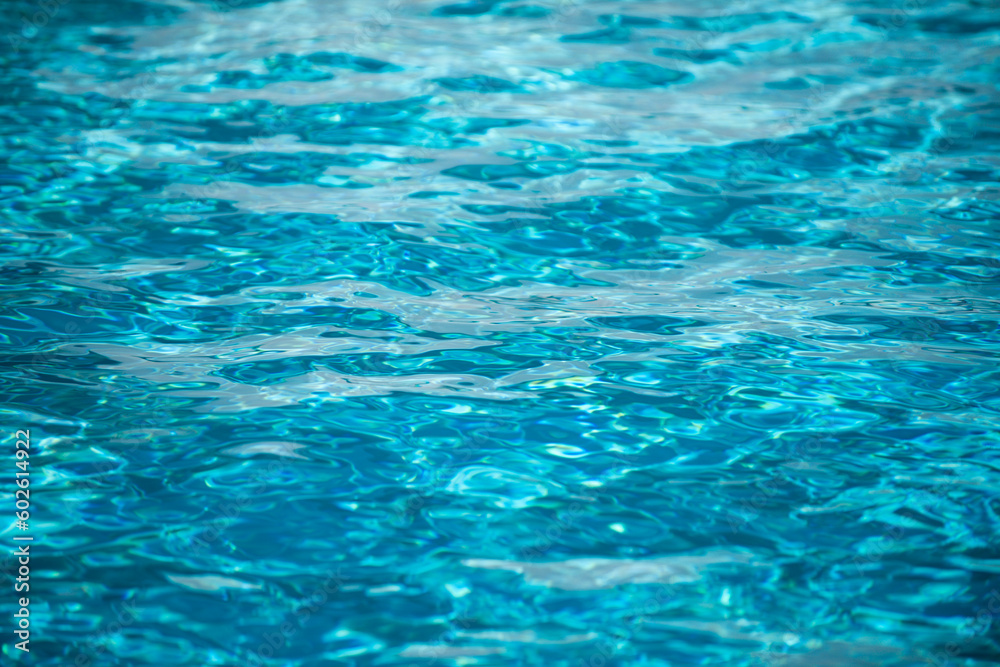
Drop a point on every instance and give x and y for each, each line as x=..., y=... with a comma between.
x=505, y=332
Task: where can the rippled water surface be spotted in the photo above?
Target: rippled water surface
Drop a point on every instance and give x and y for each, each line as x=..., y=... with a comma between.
x=541, y=332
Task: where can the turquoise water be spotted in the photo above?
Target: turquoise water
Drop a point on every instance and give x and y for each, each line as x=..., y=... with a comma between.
x=504, y=332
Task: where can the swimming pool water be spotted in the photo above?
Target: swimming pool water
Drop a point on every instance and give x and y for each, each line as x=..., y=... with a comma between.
x=541, y=332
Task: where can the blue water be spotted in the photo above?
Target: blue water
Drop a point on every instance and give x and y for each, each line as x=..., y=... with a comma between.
x=532, y=332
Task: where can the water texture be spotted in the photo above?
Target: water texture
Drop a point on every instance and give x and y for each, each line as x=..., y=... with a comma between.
x=542, y=332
